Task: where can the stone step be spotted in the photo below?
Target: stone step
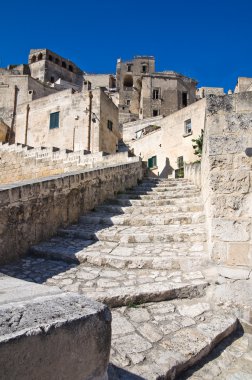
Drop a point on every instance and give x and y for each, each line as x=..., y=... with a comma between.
x=168, y=185
x=162, y=189
x=59, y=248
x=142, y=220
x=165, y=180
x=147, y=210
x=179, y=256
x=111, y=286
x=143, y=234
x=161, y=340
x=164, y=195
x=154, y=202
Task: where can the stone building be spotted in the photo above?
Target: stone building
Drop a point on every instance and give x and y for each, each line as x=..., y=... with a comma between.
x=16, y=89
x=85, y=120
x=146, y=93
x=165, y=144
x=48, y=67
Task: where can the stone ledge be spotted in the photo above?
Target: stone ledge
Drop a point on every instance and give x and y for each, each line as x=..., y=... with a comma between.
x=65, y=334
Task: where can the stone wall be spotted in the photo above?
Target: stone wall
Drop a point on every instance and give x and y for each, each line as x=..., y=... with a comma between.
x=19, y=163
x=33, y=212
x=226, y=178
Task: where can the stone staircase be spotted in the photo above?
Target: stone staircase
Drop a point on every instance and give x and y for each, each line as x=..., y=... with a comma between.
x=144, y=255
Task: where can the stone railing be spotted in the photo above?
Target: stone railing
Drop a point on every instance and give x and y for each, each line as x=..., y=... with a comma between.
x=19, y=162
x=33, y=211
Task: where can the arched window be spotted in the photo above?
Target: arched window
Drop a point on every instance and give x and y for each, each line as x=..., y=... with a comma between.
x=40, y=56
x=128, y=81
x=50, y=57
x=57, y=61
x=70, y=68
x=64, y=64
x=33, y=59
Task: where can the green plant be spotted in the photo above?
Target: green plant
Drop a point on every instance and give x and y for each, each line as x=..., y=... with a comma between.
x=198, y=144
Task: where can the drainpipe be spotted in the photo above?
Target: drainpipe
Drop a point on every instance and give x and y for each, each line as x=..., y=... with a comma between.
x=11, y=136
x=26, y=123
x=90, y=119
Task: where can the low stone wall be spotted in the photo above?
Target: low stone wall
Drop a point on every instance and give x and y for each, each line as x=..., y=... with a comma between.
x=18, y=162
x=34, y=211
x=193, y=172
x=226, y=178
x=64, y=336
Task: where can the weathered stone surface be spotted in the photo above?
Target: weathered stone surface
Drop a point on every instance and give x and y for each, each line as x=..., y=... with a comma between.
x=228, y=230
x=234, y=273
x=48, y=336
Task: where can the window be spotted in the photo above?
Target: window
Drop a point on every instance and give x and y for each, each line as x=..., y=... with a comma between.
x=155, y=93
x=152, y=162
x=57, y=60
x=188, y=127
x=54, y=120
x=129, y=67
x=40, y=56
x=144, y=68
x=33, y=59
x=70, y=68
x=155, y=112
x=50, y=58
x=52, y=80
x=110, y=125
x=64, y=64
x=184, y=99
x=128, y=102
x=180, y=162
x=128, y=82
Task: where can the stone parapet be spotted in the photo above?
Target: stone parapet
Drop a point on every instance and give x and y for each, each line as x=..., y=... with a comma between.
x=19, y=162
x=33, y=211
x=63, y=336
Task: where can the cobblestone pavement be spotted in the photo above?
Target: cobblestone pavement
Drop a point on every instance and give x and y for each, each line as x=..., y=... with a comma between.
x=144, y=255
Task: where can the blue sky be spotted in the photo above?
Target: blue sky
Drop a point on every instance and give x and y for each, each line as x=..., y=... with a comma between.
x=207, y=40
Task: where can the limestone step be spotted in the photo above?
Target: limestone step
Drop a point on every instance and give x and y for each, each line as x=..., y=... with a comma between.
x=142, y=220
x=181, y=256
x=161, y=340
x=141, y=234
x=154, y=202
x=163, y=189
x=164, y=186
x=147, y=210
x=161, y=195
x=111, y=286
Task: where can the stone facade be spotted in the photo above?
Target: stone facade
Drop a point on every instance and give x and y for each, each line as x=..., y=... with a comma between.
x=17, y=89
x=86, y=121
x=167, y=140
x=48, y=67
x=244, y=84
x=145, y=93
x=202, y=92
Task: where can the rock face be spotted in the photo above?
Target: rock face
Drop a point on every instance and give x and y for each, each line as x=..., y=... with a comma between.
x=144, y=255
